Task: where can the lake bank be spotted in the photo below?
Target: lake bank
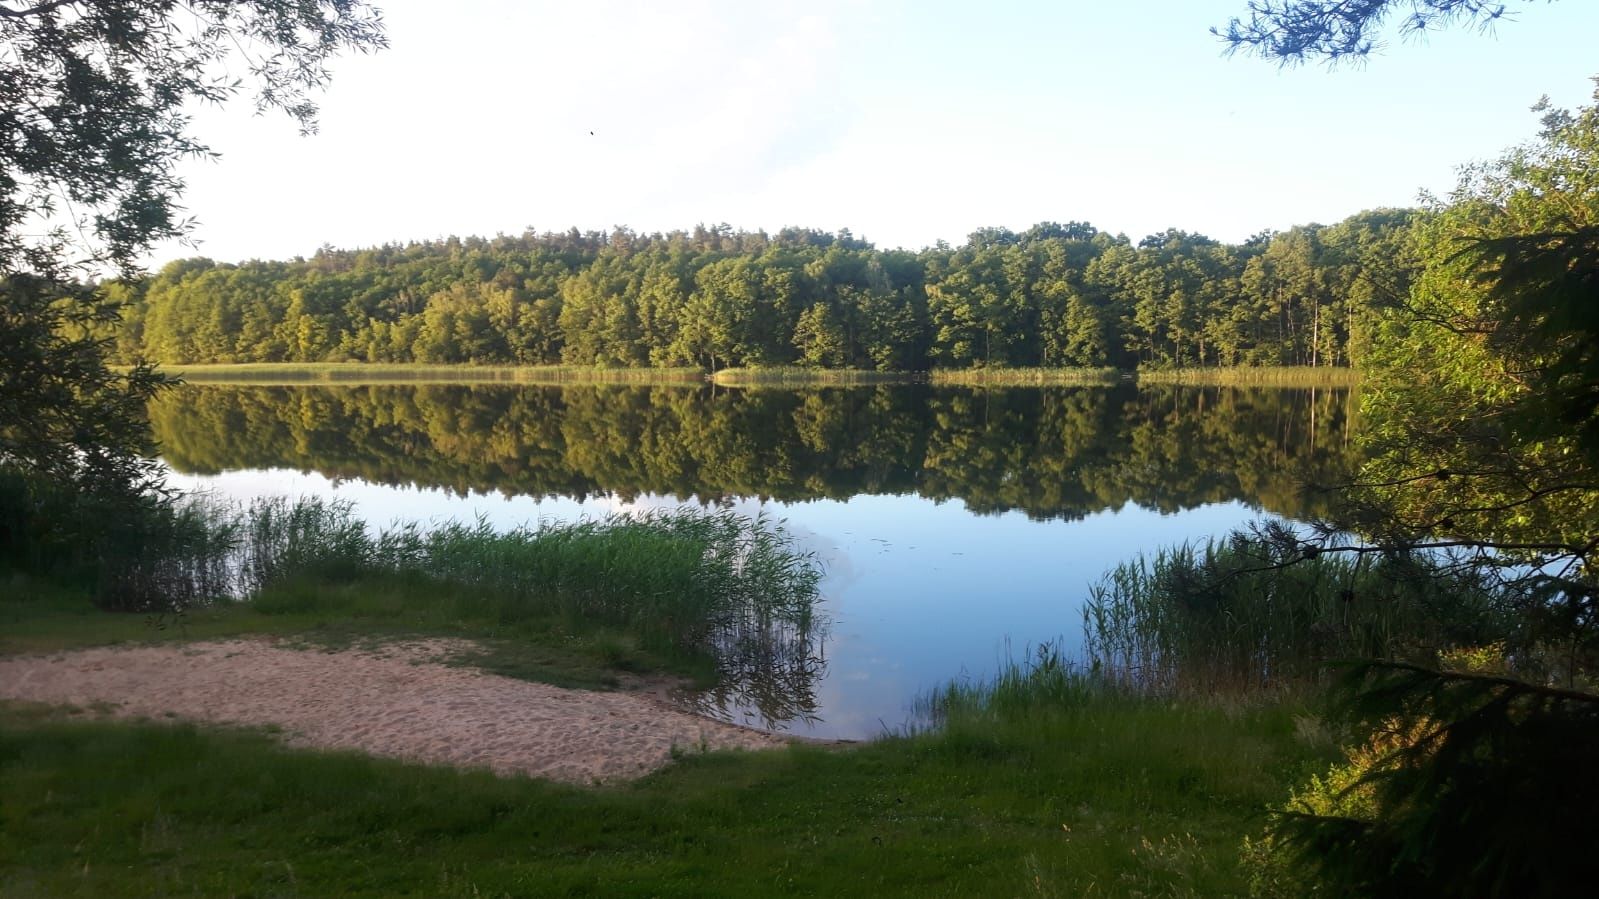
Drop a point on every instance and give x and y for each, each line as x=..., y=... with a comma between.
x=1093, y=792
x=359, y=373
x=1075, y=786
x=912, y=498
x=406, y=699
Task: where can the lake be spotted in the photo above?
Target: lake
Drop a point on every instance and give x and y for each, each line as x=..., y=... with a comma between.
x=957, y=527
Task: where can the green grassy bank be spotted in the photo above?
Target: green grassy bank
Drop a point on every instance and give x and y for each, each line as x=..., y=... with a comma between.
x=269, y=373
x=1254, y=376
x=793, y=376
x=1043, y=781
x=1082, y=792
x=1026, y=377
x=681, y=591
x=538, y=644
x=289, y=373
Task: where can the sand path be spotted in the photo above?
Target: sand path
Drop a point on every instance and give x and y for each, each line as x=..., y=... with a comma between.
x=395, y=701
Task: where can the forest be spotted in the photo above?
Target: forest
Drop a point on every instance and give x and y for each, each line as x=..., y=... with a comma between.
x=1051, y=296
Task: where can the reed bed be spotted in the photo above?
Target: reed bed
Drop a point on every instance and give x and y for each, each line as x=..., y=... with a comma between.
x=1025, y=377
x=686, y=579
x=1043, y=679
x=1254, y=376
x=795, y=376
x=289, y=373
x=1244, y=614
x=676, y=580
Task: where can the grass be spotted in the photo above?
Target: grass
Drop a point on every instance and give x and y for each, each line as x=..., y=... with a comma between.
x=39, y=617
x=1041, y=784
x=680, y=580
x=1251, y=613
x=1254, y=376
x=270, y=373
x=290, y=373
x=795, y=376
x=688, y=591
x=1024, y=377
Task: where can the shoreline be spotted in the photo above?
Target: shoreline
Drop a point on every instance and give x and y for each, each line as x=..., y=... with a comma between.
x=269, y=374
x=399, y=700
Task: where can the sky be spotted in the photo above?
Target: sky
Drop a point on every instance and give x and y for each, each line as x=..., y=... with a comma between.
x=905, y=122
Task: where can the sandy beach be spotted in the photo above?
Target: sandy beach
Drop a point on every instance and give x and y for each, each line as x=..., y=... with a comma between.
x=399, y=701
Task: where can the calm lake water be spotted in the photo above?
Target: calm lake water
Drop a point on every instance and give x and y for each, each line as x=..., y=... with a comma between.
x=957, y=527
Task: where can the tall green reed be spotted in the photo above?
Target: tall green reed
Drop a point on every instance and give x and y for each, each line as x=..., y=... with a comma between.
x=1254, y=376
x=134, y=550
x=686, y=579
x=677, y=578
x=682, y=580
x=797, y=376
x=1245, y=613
x=1026, y=377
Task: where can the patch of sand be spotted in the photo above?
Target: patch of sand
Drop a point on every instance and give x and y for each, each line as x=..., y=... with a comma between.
x=395, y=701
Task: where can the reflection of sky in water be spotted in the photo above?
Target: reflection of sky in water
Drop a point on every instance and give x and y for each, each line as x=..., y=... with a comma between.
x=918, y=592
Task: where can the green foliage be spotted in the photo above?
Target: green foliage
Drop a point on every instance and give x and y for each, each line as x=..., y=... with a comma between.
x=794, y=376
x=65, y=416
x=683, y=580
x=714, y=583
x=1024, y=377
x=1267, y=376
x=132, y=550
x=497, y=632
x=1480, y=403
x=1473, y=784
x=1479, y=399
x=96, y=110
x=94, y=120
x=1345, y=793
x=1293, y=31
x=1054, y=296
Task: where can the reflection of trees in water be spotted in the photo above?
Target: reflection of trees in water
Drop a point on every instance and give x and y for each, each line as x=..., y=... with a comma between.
x=1051, y=453
x=768, y=674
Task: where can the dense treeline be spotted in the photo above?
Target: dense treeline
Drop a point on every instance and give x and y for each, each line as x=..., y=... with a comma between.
x=1052, y=453
x=1055, y=295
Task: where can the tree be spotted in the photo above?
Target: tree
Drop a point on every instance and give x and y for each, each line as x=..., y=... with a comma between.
x=818, y=338
x=1482, y=421
x=94, y=120
x=1293, y=31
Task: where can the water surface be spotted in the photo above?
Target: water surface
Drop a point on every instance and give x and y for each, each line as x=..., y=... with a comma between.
x=956, y=526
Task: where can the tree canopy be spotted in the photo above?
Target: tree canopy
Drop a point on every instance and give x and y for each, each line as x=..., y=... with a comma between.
x=1480, y=409
x=95, y=109
x=1293, y=31
x=1053, y=295
x=95, y=101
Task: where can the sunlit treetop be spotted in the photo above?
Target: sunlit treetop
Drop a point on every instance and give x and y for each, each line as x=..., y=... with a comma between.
x=1294, y=31
x=95, y=98
x=95, y=105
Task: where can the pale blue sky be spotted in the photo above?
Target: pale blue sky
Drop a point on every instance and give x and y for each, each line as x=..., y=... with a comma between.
x=906, y=122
